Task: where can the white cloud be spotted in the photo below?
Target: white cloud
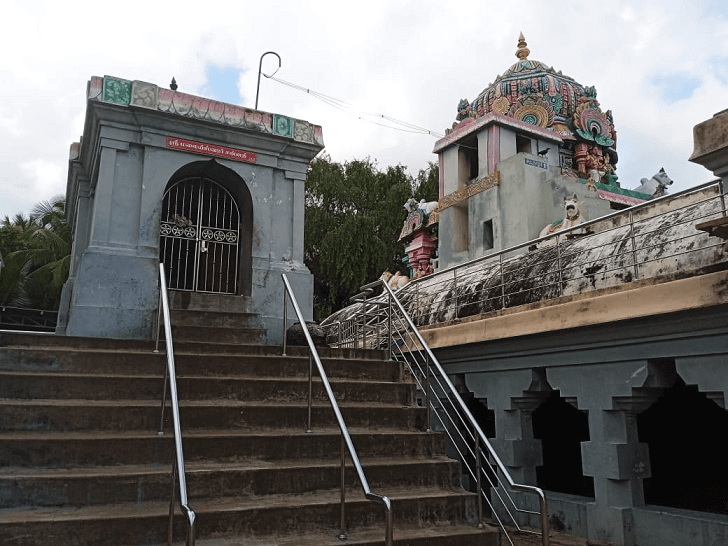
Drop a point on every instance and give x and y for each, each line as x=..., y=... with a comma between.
x=409, y=60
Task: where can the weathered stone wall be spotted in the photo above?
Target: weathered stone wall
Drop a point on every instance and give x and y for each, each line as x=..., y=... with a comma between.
x=117, y=179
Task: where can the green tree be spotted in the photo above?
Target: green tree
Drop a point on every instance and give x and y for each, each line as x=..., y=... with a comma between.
x=37, y=254
x=354, y=214
x=427, y=183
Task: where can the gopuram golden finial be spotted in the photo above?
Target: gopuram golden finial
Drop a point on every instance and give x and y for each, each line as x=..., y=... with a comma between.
x=522, y=51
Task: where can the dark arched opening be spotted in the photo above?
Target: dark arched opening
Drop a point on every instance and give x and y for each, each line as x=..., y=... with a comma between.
x=561, y=428
x=685, y=431
x=207, y=212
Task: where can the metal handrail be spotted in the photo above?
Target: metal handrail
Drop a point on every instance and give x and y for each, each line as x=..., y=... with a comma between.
x=178, y=466
x=445, y=386
x=561, y=257
x=345, y=437
x=584, y=225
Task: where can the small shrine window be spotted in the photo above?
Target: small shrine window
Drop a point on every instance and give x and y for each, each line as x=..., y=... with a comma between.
x=523, y=144
x=488, y=241
x=469, y=156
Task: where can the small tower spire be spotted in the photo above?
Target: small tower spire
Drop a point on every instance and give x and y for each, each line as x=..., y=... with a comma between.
x=522, y=51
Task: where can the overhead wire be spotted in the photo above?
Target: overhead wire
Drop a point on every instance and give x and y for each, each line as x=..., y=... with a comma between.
x=398, y=125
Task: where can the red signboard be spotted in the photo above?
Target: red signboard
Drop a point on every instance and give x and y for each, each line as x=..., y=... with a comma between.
x=211, y=149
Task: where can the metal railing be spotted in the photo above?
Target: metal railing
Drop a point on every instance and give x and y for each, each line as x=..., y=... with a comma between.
x=346, y=443
x=178, y=465
x=27, y=320
x=649, y=239
x=384, y=322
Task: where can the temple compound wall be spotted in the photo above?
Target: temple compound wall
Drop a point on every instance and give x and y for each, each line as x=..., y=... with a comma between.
x=613, y=400
x=212, y=190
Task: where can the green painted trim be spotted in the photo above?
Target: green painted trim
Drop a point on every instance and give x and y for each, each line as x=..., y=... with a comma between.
x=117, y=91
x=621, y=191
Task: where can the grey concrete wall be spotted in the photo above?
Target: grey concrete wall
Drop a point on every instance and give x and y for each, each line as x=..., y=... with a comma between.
x=116, y=186
x=612, y=373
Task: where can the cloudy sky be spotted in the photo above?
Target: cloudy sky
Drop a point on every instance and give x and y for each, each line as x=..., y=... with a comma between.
x=661, y=66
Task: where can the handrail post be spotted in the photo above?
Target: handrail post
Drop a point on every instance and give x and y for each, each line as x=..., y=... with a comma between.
x=310, y=389
x=389, y=329
x=364, y=324
x=502, y=283
x=159, y=322
x=427, y=392
x=558, y=264
x=285, y=320
x=479, y=487
x=160, y=432
x=342, y=527
x=356, y=331
x=455, y=280
x=634, y=247
x=722, y=195
x=170, y=521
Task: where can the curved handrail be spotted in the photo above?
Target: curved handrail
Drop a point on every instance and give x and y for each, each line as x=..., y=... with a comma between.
x=367, y=290
x=339, y=418
x=179, y=463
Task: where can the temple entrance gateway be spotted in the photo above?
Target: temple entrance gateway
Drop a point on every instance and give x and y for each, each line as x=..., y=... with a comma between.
x=199, y=237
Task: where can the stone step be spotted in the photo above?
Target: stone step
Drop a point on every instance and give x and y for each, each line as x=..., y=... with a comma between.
x=38, y=341
x=188, y=363
x=90, y=486
x=215, y=334
x=142, y=523
x=69, y=386
x=125, y=415
x=64, y=449
x=457, y=534
x=214, y=319
x=193, y=301
x=81, y=461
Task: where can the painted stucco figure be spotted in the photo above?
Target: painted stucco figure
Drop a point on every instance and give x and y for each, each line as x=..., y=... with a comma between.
x=657, y=185
x=572, y=217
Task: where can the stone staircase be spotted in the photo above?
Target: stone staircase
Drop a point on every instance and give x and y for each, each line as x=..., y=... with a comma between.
x=81, y=462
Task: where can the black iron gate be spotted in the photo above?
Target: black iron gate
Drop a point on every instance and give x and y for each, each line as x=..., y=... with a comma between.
x=199, y=235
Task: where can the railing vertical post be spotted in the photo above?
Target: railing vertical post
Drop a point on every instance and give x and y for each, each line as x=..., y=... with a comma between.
x=455, y=279
x=170, y=522
x=634, y=247
x=722, y=195
x=310, y=388
x=544, y=521
x=356, y=331
x=160, y=432
x=285, y=319
x=342, y=527
x=558, y=264
x=338, y=344
x=389, y=327
x=364, y=324
x=478, y=468
x=502, y=283
x=159, y=321
x=427, y=391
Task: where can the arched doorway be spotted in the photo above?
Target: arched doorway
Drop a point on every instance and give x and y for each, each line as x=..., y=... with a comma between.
x=200, y=236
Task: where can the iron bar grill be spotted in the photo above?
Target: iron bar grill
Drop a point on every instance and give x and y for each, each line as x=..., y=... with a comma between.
x=199, y=237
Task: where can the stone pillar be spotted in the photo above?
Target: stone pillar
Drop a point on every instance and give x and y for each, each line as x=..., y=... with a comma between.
x=711, y=145
x=514, y=442
x=613, y=456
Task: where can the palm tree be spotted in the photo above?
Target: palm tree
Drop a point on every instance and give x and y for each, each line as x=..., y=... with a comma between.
x=37, y=256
